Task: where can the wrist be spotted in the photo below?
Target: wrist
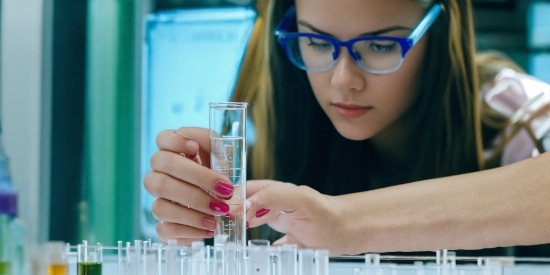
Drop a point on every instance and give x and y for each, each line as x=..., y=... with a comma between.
x=354, y=227
x=345, y=226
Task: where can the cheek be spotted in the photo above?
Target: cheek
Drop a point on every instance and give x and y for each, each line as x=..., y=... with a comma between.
x=402, y=87
x=320, y=83
x=322, y=89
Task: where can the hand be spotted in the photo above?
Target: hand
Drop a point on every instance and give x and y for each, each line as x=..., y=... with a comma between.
x=188, y=192
x=309, y=218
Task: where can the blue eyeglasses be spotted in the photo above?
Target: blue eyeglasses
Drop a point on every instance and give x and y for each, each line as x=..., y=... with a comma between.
x=374, y=54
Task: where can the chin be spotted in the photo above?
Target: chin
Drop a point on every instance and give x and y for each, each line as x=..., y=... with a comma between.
x=353, y=133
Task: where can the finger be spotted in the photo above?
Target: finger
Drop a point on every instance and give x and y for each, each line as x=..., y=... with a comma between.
x=254, y=186
x=176, y=141
x=191, y=148
x=186, y=170
x=168, y=211
x=161, y=185
x=261, y=216
x=167, y=230
x=276, y=196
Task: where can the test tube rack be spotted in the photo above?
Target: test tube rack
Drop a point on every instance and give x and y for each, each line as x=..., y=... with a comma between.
x=147, y=258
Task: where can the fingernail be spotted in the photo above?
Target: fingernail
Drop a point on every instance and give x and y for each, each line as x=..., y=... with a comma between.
x=182, y=136
x=227, y=198
x=247, y=225
x=247, y=204
x=210, y=233
x=209, y=222
x=192, y=146
x=223, y=188
x=219, y=207
x=260, y=213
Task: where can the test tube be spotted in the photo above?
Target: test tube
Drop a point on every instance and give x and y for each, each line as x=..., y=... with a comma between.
x=198, y=258
x=289, y=256
x=171, y=257
x=321, y=262
x=57, y=258
x=89, y=259
x=305, y=262
x=228, y=157
x=259, y=254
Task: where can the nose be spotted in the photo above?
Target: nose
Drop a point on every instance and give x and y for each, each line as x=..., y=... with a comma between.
x=346, y=75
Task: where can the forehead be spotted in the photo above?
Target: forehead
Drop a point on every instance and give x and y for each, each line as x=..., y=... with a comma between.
x=353, y=17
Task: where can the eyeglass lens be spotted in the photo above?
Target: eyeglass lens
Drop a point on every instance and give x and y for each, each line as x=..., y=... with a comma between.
x=317, y=53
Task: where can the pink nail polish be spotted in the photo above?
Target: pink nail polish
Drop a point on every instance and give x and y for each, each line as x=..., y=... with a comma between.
x=223, y=188
x=247, y=225
x=209, y=223
x=262, y=212
x=219, y=207
x=227, y=198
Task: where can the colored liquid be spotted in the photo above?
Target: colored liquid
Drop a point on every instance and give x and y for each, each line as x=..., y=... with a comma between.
x=5, y=268
x=89, y=268
x=57, y=269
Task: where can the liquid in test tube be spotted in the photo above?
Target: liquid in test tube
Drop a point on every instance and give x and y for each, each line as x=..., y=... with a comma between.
x=228, y=157
x=57, y=258
x=90, y=259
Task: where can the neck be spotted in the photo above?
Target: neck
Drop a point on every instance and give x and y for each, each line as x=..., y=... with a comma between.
x=392, y=146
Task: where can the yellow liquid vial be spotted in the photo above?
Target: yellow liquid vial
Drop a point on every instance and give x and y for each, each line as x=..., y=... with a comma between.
x=57, y=269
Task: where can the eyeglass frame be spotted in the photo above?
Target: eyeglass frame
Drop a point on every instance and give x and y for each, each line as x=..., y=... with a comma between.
x=406, y=43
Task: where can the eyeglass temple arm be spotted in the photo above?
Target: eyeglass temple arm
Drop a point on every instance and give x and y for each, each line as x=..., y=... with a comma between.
x=425, y=24
x=287, y=18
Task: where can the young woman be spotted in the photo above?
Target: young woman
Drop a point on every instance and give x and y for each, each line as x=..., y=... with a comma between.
x=361, y=95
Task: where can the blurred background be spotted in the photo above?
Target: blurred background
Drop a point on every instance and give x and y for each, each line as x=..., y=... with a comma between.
x=86, y=85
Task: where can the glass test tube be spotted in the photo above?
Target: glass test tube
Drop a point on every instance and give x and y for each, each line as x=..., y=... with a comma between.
x=321, y=262
x=228, y=157
x=288, y=259
x=89, y=259
x=258, y=253
x=57, y=258
x=305, y=262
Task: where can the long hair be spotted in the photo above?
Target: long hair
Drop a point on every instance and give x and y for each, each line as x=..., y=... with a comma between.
x=296, y=142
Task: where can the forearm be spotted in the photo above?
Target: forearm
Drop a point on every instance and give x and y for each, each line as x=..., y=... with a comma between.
x=500, y=207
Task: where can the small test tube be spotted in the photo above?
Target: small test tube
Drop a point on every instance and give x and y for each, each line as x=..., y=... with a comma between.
x=171, y=257
x=233, y=258
x=274, y=258
x=288, y=259
x=198, y=258
x=90, y=259
x=259, y=255
x=305, y=262
x=57, y=258
x=321, y=262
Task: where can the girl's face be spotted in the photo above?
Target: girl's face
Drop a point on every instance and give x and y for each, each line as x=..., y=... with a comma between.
x=362, y=105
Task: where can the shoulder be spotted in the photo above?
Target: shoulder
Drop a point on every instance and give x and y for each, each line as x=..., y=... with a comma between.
x=525, y=101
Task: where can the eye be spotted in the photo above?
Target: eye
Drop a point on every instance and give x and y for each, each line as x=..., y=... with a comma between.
x=319, y=44
x=383, y=46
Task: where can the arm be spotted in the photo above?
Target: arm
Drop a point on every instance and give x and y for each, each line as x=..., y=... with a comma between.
x=505, y=206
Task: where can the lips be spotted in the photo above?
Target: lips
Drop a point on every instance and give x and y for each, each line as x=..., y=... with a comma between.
x=351, y=110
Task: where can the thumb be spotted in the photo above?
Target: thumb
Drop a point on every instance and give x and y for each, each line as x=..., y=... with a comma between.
x=254, y=186
x=273, y=196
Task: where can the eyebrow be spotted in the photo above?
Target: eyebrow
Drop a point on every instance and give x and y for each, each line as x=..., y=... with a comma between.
x=374, y=33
